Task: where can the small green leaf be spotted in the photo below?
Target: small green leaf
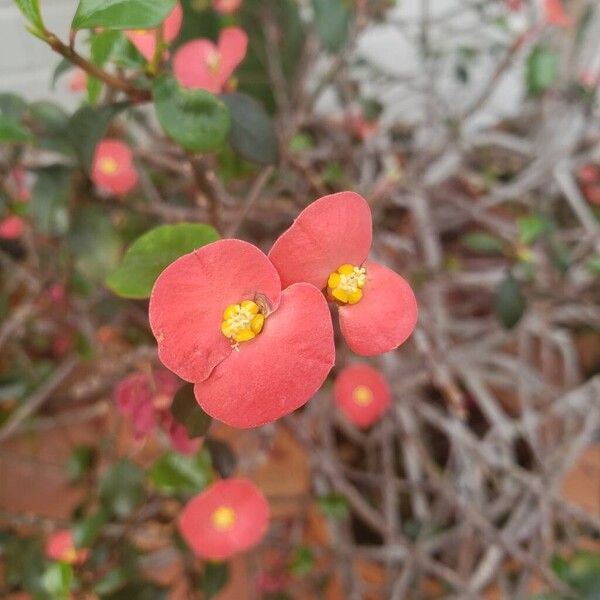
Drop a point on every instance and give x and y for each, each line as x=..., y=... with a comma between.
x=509, y=302
x=31, y=11
x=174, y=473
x=12, y=132
x=531, y=228
x=187, y=412
x=151, y=253
x=102, y=46
x=303, y=561
x=334, y=505
x=88, y=126
x=121, y=14
x=49, y=200
x=111, y=582
x=58, y=579
x=332, y=20
x=195, y=119
x=541, y=69
x=593, y=265
x=86, y=531
x=252, y=134
x=482, y=242
x=214, y=578
x=79, y=462
x=121, y=488
x=12, y=106
x=63, y=67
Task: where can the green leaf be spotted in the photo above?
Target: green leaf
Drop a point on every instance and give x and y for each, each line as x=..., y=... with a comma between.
x=31, y=11
x=187, y=412
x=111, y=582
x=63, y=67
x=12, y=106
x=531, y=228
x=121, y=488
x=214, y=578
x=334, y=505
x=303, y=561
x=509, y=302
x=174, y=473
x=482, y=242
x=195, y=119
x=102, y=46
x=24, y=564
x=87, y=127
x=541, y=69
x=58, y=579
x=86, y=531
x=252, y=133
x=332, y=20
x=593, y=265
x=49, y=200
x=12, y=132
x=222, y=456
x=151, y=253
x=79, y=462
x=121, y=14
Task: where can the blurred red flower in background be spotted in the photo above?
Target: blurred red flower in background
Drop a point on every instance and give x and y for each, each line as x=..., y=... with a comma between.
x=327, y=246
x=60, y=545
x=228, y=517
x=226, y=6
x=222, y=322
x=362, y=394
x=112, y=167
x=11, y=228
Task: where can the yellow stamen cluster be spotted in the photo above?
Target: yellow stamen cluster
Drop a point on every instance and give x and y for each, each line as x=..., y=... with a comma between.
x=69, y=556
x=223, y=518
x=362, y=395
x=242, y=322
x=345, y=284
x=108, y=165
x=213, y=61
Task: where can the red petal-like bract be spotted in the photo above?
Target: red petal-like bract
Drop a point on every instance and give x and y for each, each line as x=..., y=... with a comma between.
x=332, y=231
x=145, y=40
x=226, y=7
x=61, y=546
x=362, y=394
x=190, y=295
x=384, y=318
x=11, y=228
x=280, y=369
x=251, y=519
x=124, y=178
x=555, y=14
x=200, y=64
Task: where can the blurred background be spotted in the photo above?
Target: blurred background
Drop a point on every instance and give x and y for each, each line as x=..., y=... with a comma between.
x=472, y=129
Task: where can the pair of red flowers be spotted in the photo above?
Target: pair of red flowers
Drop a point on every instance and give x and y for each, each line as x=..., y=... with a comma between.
x=254, y=332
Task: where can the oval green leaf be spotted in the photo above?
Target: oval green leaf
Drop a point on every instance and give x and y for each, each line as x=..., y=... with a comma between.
x=195, y=119
x=148, y=256
x=509, y=302
x=187, y=412
x=121, y=14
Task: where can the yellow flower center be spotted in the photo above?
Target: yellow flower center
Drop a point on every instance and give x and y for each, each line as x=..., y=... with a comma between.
x=142, y=32
x=223, y=518
x=345, y=284
x=70, y=556
x=213, y=61
x=362, y=395
x=242, y=322
x=108, y=165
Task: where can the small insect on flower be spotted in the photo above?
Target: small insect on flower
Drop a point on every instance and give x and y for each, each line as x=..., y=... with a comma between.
x=60, y=545
x=112, y=167
x=362, y=394
x=145, y=39
x=200, y=64
x=221, y=321
x=228, y=517
x=226, y=7
x=327, y=246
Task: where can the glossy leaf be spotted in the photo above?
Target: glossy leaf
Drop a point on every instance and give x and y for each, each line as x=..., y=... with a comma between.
x=174, y=473
x=121, y=14
x=332, y=20
x=58, y=579
x=541, y=69
x=509, y=302
x=31, y=11
x=151, y=253
x=187, y=412
x=49, y=200
x=12, y=132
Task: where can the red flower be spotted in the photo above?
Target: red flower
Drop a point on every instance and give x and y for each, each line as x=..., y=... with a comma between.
x=514, y=5
x=200, y=64
x=60, y=546
x=146, y=398
x=226, y=7
x=554, y=14
x=222, y=322
x=228, y=517
x=145, y=39
x=589, y=173
x=78, y=80
x=11, y=228
x=112, y=168
x=18, y=175
x=327, y=245
x=362, y=394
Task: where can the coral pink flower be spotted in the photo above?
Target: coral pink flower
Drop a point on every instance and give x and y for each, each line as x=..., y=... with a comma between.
x=146, y=398
x=226, y=7
x=589, y=173
x=327, y=246
x=200, y=64
x=112, y=168
x=554, y=14
x=78, y=80
x=228, y=517
x=222, y=322
x=11, y=228
x=61, y=546
x=362, y=394
x=19, y=179
x=588, y=79
x=592, y=193
x=145, y=39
